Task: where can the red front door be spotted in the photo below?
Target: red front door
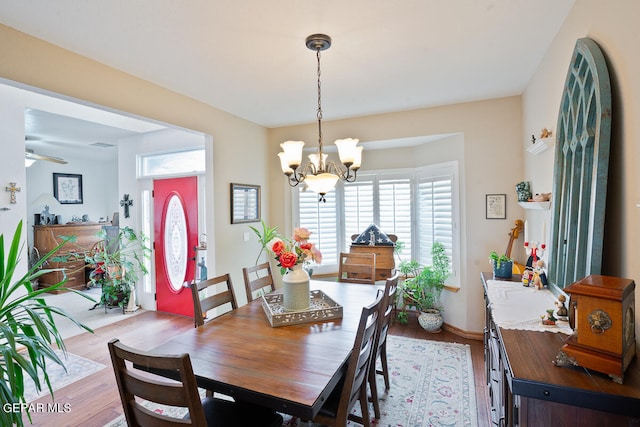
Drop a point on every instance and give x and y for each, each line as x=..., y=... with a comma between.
x=175, y=204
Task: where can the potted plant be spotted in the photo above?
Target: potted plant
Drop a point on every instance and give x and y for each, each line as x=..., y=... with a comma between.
x=27, y=329
x=424, y=289
x=408, y=269
x=502, y=265
x=117, y=265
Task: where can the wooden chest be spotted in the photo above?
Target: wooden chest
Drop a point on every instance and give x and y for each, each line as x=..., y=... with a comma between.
x=47, y=237
x=385, y=262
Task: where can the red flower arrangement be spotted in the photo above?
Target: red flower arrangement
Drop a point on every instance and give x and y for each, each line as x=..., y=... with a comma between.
x=299, y=250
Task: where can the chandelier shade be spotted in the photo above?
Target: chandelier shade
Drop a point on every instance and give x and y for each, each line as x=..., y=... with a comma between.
x=320, y=174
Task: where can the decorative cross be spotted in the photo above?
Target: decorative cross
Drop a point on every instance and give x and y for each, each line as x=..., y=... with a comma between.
x=12, y=188
x=125, y=203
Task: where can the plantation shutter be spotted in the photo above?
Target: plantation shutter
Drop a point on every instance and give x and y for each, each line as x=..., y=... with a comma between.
x=321, y=220
x=358, y=209
x=435, y=215
x=394, y=202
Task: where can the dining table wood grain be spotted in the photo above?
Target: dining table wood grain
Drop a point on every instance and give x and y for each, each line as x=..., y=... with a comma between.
x=291, y=369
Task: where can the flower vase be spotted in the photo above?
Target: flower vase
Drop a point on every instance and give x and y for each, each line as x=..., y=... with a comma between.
x=296, y=289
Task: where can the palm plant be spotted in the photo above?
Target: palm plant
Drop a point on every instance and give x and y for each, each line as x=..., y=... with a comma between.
x=28, y=330
x=265, y=236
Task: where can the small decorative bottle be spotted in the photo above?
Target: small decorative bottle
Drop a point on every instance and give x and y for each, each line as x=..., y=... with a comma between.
x=203, y=269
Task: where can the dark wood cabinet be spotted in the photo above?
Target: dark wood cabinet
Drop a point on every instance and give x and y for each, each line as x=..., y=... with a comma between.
x=527, y=389
x=48, y=237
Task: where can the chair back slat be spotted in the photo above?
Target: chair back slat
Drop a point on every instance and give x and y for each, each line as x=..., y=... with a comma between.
x=258, y=278
x=213, y=298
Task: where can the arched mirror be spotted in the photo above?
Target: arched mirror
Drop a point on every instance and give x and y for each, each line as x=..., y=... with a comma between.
x=581, y=168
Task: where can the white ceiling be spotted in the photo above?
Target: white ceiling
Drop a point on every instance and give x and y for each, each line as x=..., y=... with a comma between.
x=248, y=57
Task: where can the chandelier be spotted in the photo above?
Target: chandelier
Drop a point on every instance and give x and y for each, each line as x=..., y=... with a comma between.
x=319, y=174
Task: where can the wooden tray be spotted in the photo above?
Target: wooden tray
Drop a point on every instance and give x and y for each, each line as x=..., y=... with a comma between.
x=321, y=308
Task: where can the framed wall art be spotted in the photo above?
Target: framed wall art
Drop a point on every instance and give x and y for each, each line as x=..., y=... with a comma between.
x=245, y=203
x=67, y=188
x=496, y=206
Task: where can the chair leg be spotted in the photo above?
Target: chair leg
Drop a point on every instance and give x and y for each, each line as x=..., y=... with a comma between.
x=385, y=366
x=364, y=406
x=374, y=393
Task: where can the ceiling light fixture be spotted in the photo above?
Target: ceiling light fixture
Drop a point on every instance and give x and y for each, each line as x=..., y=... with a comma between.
x=319, y=174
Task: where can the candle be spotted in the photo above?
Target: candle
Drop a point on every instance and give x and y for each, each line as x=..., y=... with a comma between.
x=526, y=231
x=544, y=232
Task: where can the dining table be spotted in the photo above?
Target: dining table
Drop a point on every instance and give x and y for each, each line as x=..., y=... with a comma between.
x=291, y=369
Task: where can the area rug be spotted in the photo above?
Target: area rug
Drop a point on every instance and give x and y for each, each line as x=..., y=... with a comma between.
x=77, y=369
x=431, y=385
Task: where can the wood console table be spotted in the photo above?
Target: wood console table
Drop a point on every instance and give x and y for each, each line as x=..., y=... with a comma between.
x=47, y=237
x=526, y=389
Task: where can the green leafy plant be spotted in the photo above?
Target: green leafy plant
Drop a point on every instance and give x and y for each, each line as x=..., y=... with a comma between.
x=402, y=317
x=264, y=236
x=497, y=260
x=424, y=289
x=27, y=329
x=116, y=264
x=123, y=260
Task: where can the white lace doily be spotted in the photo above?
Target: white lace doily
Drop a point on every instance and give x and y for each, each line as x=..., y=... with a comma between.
x=514, y=306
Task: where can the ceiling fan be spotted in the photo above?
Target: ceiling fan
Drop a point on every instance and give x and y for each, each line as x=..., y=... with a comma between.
x=30, y=155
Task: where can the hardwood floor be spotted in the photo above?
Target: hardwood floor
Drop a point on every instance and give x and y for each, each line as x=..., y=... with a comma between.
x=94, y=401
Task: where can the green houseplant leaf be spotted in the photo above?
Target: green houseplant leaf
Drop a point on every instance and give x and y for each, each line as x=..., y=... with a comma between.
x=423, y=290
x=28, y=330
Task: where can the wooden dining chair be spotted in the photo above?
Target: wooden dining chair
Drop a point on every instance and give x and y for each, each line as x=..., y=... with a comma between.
x=181, y=391
x=385, y=316
x=262, y=280
x=357, y=268
x=206, y=297
x=353, y=386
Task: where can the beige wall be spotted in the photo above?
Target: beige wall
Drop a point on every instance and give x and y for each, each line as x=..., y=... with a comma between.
x=239, y=146
x=491, y=163
x=613, y=25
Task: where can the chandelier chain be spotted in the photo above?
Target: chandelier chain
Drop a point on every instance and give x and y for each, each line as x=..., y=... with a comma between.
x=319, y=112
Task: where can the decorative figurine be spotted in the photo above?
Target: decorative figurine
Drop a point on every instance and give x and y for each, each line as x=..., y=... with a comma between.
x=548, y=320
x=527, y=276
x=562, y=311
x=539, y=279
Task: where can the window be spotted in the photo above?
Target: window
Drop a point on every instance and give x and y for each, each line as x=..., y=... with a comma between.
x=417, y=205
x=187, y=161
x=320, y=219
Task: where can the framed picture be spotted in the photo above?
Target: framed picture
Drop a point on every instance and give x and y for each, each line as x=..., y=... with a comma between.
x=496, y=206
x=67, y=188
x=245, y=203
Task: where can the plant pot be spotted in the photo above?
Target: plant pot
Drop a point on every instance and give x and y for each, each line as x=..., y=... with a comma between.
x=505, y=271
x=431, y=320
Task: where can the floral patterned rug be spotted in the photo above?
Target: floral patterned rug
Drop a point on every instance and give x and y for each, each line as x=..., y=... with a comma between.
x=77, y=368
x=431, y=385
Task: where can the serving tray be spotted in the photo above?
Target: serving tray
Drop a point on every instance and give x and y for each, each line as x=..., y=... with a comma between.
x=321, y=308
